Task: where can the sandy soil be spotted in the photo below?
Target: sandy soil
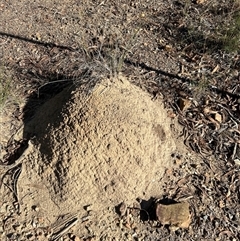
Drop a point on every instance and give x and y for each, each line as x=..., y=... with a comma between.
x=76, y=142
x=95, y=148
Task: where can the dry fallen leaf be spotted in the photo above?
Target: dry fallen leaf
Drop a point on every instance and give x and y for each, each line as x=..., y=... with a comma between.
x=221, y=204
x=218, y=117
x=168, y=48
x=184, y=104
x=237, y=162
x=200, y=1
x=215, y=69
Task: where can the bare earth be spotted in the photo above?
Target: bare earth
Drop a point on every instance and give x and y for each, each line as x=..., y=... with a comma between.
x=112, y=106
x=97, y=149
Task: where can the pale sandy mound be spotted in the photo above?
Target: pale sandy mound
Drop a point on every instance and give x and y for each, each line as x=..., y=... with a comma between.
x=98, y=148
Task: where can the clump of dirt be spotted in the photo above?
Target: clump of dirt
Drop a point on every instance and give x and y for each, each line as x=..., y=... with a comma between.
x=96, y=148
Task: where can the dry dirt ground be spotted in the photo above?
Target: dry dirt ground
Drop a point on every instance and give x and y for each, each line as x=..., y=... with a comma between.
x=85, y=152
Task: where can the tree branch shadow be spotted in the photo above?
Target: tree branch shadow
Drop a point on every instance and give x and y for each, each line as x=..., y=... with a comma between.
x=180, y=78
x=33, y=41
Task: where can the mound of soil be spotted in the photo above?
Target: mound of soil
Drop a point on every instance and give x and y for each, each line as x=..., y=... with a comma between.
x=96, y=148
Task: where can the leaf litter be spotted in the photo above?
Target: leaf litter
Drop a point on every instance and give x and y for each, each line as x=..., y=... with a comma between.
x=208, y=82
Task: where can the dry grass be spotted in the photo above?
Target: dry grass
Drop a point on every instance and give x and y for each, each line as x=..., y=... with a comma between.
x=183, y=50
x=6, y=88
x=11, y=96
x=231, y=34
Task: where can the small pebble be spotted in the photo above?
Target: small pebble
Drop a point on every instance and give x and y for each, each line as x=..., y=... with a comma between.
x=76, y=238
x=35, y=208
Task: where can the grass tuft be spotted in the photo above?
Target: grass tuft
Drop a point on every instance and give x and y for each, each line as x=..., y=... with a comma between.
x=5, y=88
x=231, y=36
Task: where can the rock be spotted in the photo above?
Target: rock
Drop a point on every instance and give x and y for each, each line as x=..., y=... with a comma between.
x=175, y=215
x=122, y=209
